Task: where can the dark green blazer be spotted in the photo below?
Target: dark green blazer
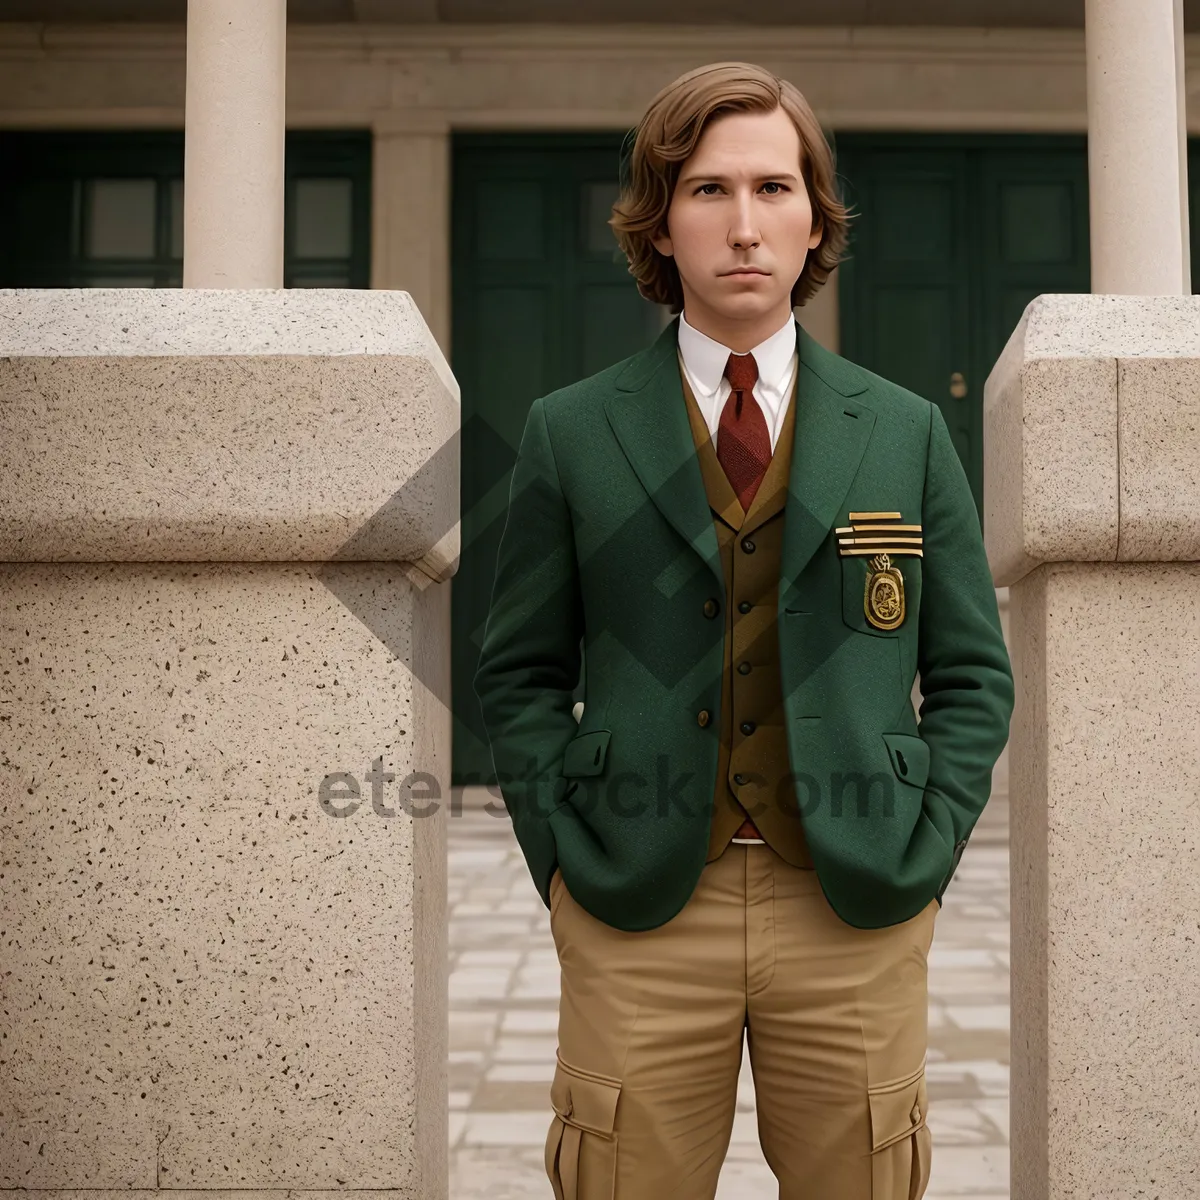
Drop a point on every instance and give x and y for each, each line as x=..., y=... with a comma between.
x=609, y=557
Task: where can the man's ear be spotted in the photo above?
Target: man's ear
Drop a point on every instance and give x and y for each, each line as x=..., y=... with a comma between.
x=664, y=246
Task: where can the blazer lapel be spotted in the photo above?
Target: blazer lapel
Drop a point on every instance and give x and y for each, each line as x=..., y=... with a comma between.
x=830, y=438
x=830, y=432
x=649, y=419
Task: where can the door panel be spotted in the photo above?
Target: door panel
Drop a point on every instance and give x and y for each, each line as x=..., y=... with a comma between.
x=918, y=333
x=510, y=221
x=514, y=324
x=1034, y=204
x=956, y=235
x=609, y=325
x=905, y=293
x=541, y=298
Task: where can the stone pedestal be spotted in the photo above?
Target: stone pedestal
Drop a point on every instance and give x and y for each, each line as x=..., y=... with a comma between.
x=227, y=524
x=1092, y=512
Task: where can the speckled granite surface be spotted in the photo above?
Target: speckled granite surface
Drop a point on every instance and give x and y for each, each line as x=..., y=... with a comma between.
x=1092, y=517
x=224, y=741
x=1105, y=834
x=156, y=425
x=1092, y=434
x=210, y=979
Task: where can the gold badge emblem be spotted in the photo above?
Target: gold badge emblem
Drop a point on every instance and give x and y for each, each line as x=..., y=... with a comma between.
x=883, y=601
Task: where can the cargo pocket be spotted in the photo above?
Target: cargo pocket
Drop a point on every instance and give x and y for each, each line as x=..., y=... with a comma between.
x=901, y=1143
x=581, y=1147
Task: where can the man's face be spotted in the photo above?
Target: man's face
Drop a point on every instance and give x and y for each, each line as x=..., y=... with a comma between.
x=740, y=202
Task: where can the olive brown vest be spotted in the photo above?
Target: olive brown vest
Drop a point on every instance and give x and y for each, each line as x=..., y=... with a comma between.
x=753, y=774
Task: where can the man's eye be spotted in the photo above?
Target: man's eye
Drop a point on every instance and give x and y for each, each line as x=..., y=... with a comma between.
x=769, y=184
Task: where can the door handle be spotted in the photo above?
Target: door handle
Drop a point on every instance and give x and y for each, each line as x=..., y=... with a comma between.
x=958, y=385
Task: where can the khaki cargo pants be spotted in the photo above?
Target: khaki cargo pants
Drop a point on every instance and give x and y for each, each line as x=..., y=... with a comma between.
x=650, y=1034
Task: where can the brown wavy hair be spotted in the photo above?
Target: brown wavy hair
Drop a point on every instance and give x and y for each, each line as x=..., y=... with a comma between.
x=655, y=150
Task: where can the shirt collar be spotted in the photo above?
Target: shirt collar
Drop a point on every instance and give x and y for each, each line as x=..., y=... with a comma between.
x=705, y=358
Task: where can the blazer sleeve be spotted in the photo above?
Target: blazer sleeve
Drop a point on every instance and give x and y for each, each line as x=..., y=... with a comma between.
x=966, y=675
x=530, y=659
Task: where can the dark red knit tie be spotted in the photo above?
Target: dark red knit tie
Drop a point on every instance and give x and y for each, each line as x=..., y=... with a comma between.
x=743, y=443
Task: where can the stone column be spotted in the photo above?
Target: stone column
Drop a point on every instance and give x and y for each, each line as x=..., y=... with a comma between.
x=1137, y=147
x=233, y=144
x=227, y=528
x=410, y=214
x=1092, y=518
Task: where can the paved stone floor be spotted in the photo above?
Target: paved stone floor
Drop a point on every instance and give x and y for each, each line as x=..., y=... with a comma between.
x=504, y=1013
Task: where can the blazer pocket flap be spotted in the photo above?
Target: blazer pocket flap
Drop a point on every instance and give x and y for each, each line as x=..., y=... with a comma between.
x=585, y=754
x=910, y=757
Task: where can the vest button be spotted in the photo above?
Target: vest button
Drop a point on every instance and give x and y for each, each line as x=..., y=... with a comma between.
x=747, y=545
x=747, y=726
x=711, y=608
x=745, y=606
x=702, y=717
x=743, y=668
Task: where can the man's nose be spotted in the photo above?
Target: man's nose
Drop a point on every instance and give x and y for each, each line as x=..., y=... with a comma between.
x=744, y=231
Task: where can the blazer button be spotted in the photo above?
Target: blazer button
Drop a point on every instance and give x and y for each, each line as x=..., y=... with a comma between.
x=711, y=608
x=745, y=606
x=702, y=717
x=748, y=545
x=747, y=727
x=743, y=668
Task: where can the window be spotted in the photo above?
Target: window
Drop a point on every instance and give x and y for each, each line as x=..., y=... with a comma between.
x=106, y=210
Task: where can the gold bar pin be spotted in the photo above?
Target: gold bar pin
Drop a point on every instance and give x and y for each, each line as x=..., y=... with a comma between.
x=874, y=516
x=880, y=528
x=876, y=541
x=886, y=550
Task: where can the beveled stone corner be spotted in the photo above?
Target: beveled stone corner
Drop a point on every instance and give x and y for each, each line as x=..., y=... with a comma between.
x=141, y=425
x=1091, y=422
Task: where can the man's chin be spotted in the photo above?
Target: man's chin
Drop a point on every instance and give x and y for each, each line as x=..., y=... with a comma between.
x=745, y=307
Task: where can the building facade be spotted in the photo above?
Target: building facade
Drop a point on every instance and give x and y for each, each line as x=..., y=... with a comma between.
x=473, y=163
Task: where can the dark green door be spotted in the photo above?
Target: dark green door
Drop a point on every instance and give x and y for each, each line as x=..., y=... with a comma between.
x=541, y=298
x=956, y=236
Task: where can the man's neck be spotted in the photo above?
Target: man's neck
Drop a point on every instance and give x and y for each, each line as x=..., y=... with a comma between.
x=740, y=336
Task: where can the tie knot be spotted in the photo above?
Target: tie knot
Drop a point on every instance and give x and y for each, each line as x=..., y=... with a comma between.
x=742, y=372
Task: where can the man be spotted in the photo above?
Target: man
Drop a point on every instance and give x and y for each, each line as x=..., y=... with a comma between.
x=756, y=545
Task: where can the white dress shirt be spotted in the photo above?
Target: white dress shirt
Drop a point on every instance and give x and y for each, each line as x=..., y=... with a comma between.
x=704, y=364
